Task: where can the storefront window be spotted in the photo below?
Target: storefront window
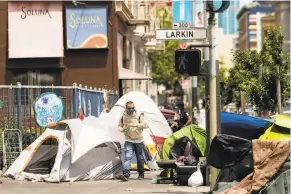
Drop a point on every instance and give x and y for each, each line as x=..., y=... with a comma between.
x=38, y=78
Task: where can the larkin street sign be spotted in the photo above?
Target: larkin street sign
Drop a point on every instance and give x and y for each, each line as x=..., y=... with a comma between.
x=181, y=34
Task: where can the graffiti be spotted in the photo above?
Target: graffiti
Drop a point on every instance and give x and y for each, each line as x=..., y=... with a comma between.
x=48, y=109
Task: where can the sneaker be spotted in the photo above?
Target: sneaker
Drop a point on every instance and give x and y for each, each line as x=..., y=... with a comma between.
x=141, y=176
x=124, y=176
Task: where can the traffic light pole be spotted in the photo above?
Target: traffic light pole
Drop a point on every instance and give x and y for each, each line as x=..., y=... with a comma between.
x=212, y=86
x=194, y=79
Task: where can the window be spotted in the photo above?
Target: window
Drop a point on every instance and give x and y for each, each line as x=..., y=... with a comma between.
x=38, y=77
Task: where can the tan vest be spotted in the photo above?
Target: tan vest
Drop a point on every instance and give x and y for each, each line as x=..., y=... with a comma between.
x=132, y=133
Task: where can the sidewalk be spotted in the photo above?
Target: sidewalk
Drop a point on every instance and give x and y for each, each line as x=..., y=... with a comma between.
x=98, y=187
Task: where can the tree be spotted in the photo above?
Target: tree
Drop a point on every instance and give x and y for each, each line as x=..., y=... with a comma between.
x=163, y=61
x=257, y=74
x=278, y=63
x=222, y=80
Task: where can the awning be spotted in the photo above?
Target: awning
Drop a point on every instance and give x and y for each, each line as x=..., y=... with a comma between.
x=126, y=74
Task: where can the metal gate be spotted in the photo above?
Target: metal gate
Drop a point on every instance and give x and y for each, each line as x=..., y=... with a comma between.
x=12, y=146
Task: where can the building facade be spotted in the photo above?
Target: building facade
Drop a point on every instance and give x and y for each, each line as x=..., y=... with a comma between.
x=98, y=44
x=227, y=20
x=249, y=19
x=58, y=45
x=267, y=22
x=282, y=12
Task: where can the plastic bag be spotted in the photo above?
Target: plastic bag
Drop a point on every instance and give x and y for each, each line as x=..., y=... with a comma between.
x=196, y=179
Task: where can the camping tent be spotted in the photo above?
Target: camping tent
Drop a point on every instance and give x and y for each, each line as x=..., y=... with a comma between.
x=172, y=147
x=70, y=150
x=152, y=115
x=279, y=130
x=158, y=129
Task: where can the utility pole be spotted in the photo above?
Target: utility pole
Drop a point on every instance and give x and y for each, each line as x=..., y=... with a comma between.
x=212, y=84
x=194, y=79
x=206, y=66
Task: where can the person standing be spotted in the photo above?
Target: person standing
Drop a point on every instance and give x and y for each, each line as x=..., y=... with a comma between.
x=185, y=117
x=132, y=125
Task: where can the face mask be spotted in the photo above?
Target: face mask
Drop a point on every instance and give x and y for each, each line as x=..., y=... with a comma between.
x=130, y=111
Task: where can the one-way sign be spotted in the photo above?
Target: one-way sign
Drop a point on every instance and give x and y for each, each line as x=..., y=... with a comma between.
x=181, y=34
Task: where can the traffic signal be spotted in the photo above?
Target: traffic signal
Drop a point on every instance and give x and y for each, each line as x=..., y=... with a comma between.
x=188, y=61
x=217, y=6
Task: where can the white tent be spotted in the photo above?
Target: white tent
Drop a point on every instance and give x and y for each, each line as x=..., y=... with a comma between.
x=156, y=121
x=70, y=150
x=158, y=130
x=83, y=150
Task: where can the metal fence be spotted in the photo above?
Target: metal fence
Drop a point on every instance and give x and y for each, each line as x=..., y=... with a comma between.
x=16, y=106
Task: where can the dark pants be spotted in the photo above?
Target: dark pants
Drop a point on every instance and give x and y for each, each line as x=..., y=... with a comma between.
x=129, y=149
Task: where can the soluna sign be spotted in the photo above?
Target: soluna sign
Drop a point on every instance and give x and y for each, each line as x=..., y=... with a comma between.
x=34, y=12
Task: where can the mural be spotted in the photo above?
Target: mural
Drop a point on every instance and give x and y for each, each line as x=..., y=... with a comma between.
x=48, y=109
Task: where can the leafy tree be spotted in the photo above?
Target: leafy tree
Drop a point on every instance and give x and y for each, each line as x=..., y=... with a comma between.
x=222, y=80
x=163, y=61
x=277, y=65
x=257, y=74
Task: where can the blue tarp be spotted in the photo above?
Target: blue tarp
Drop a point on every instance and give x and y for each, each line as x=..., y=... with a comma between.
x=243, y=126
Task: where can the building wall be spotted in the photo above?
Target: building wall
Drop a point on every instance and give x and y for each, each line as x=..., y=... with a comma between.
x=243, y=32
x=94, y=67
x=282, y=10
x=267, y=22
x=3, y=40
x=250, y=26
x=91, y=67
x=224, y=47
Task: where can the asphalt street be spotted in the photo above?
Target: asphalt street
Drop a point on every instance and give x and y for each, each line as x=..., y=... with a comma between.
x=97, y=187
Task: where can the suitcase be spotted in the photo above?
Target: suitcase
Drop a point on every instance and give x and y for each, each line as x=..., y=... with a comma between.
x=183, y=173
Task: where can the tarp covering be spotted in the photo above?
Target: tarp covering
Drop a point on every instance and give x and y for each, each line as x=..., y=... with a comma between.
x=194, y=133
x=243, y=126
x=226, y=150
x=266, y=164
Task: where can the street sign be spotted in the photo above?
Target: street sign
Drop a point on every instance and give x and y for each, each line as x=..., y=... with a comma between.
x=181, y=25
x=181, y=34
